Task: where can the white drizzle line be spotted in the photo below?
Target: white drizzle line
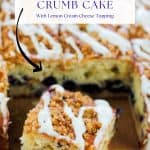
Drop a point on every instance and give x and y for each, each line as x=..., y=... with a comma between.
x=147, y=101
x=145, y=85
x=8, y=23
x=4, y=110
x=13, y=38
x=68, y=55
x=8, y=7
x=146, y=93
x=145, y=64
x=105, y=116
x=84, y=37
x=78, y=125
x=53, y=27
x=42, y=50
x=44, y=117
x=72, y=43
x=110, y=36
x=142, y=48
x=143, y=18
x=58, y=88
x=0, y=33
x=104, y=112
x=45, y=120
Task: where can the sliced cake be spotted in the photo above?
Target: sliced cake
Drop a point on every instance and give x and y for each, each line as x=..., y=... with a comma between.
x=83, y=55
x=70, y=121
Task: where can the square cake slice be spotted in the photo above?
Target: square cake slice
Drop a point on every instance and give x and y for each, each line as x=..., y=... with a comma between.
x=65, y=120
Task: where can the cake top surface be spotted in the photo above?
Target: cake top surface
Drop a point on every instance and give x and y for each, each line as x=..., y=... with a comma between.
x=76, y=42
x=71, y=116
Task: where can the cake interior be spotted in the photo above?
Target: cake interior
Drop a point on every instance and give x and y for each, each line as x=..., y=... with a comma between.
x=91, y=76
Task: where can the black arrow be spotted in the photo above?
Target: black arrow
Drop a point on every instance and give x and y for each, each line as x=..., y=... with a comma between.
x=36, y=67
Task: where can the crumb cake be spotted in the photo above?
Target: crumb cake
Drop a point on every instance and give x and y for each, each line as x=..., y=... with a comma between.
x=82, y=56
x=70, y=121
x=4, y=114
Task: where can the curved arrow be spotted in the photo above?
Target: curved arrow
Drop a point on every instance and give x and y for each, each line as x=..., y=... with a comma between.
x=36, y=67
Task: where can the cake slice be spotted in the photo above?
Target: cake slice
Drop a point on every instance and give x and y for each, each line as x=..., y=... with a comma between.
x=65, y=120
x=141, y=90
x=4, y=114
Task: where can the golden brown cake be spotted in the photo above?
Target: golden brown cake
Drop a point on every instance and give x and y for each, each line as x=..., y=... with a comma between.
x=70, y=121
x=84, y=55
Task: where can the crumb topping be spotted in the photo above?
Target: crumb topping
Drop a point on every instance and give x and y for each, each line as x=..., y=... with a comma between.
x=92, y=126
x=77, y=100
x=62, y=122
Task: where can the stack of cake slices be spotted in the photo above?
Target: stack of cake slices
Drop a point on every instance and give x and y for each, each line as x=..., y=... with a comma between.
x=78, y=56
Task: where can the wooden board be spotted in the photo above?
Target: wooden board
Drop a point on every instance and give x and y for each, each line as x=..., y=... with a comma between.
x=124, y=139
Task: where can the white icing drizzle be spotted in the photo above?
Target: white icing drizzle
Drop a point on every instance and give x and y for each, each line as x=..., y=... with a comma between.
x=142, y=48
x=84, y=37
x=68, y=55
x=143, y=18
x=8, y=7
x=42, y=51
x=78, y=125
x=53, y=27
x=58, y=88
x=8, y=23
x=13, y=38
x=72, y=43
x=146, y=93
x=0, y=33
x=105, y=116
x=145, y=64
x=145, y=85
x=104, y=112
x=110, y=36
x=147, y=101
x=44, y=117
x=4, y=110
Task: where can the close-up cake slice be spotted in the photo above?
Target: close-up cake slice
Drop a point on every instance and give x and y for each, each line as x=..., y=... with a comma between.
x=66, y=120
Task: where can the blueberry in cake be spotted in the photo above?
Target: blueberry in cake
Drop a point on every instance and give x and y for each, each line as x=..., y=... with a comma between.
x=68, y=120
x=97, y=55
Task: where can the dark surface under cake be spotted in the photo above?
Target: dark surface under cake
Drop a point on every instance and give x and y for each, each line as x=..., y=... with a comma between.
x=125, y=137
x=35, y=88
